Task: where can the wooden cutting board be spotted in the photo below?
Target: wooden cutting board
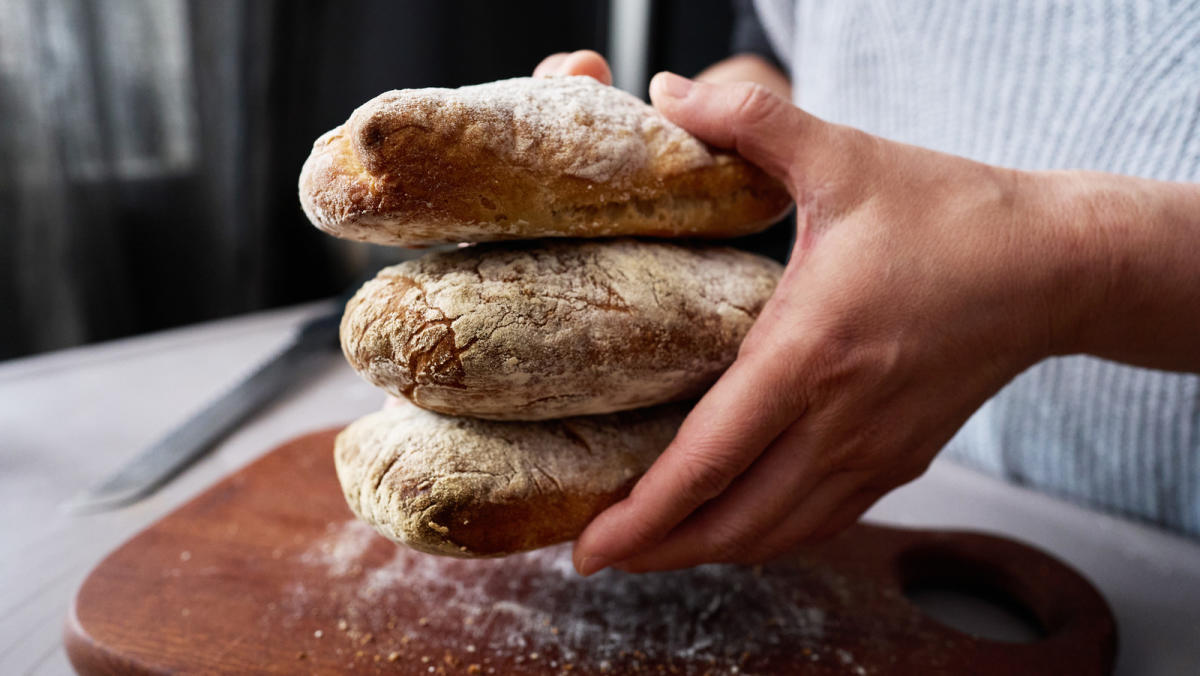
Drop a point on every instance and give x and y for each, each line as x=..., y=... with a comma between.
x=267, y=572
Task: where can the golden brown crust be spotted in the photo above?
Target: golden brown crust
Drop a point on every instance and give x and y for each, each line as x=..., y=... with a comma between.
x=540, y=330
x=526, y=158
x=475, y=488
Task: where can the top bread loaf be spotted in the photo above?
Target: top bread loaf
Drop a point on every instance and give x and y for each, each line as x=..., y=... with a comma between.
x=526, y=158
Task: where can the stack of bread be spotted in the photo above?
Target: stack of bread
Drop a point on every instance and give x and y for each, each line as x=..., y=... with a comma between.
x=549, y=363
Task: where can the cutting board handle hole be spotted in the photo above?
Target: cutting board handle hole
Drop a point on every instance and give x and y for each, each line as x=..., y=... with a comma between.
x=969, y=596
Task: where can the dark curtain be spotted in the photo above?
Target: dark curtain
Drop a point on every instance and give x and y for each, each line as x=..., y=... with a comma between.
x=149, y=149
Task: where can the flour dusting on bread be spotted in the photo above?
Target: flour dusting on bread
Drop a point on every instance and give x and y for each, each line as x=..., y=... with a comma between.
x=573, y=125
x=547, y=329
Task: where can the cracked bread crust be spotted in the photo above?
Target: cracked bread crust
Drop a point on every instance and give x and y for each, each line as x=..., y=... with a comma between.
x=526, y=158
x=541, y=330
x=478, y=488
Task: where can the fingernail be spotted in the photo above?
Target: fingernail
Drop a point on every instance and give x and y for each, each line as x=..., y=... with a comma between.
x=675, y=86
x=589, y=565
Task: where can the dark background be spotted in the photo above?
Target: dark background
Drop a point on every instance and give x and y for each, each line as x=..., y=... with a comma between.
x=150, y=148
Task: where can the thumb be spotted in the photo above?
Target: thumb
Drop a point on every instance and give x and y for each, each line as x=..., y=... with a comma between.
x=747, y=117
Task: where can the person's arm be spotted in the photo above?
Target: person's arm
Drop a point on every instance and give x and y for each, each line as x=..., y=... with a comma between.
x=919, y=285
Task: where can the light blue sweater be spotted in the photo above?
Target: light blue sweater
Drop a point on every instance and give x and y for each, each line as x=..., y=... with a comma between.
x=1035, y=84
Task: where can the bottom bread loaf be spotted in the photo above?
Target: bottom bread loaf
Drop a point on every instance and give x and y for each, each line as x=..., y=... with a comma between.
x=475, y=488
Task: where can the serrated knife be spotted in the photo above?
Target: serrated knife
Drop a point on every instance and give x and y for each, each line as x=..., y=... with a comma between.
x=188, y=442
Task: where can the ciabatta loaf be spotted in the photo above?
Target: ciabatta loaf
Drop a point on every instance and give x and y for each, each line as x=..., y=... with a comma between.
x=526, y=158
x=472, y=488
x=553, y=328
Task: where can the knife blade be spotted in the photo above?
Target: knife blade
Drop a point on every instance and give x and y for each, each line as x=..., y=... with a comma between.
x=188, y=442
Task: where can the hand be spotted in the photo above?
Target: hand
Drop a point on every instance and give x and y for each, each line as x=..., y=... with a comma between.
x=920, y=283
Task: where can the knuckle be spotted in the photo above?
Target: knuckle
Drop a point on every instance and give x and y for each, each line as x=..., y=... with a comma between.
x=755, y=103
x=637, y=533
x=641, y=539
x=705, y=475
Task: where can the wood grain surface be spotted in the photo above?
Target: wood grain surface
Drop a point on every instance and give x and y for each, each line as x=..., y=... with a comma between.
x=267, y=573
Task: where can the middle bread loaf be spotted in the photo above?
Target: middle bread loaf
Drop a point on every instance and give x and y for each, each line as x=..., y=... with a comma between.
x=547, y=329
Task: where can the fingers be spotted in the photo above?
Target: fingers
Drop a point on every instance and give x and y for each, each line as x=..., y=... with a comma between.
x=722, y=528
x=550, y=65
x=725, y=533
x=843, y=517
x=582, y=62
x=744, y=116
x=589, y=63
x=806, y=526
x=727, y=430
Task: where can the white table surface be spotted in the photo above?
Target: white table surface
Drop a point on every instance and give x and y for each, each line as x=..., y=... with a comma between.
x=71, y=417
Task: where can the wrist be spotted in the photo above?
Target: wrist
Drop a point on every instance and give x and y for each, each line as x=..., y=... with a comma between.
x=1075, y=253
x=1127, y=269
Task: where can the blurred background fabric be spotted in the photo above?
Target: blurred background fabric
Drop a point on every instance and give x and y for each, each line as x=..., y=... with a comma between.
x=149, y=149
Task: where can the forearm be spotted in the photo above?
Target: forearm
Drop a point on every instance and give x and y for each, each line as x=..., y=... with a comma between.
x=748, y=68
x=1137, y=243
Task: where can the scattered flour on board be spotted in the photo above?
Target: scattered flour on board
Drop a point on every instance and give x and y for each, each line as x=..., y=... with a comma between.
x=342, y=549
x=533, y=607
